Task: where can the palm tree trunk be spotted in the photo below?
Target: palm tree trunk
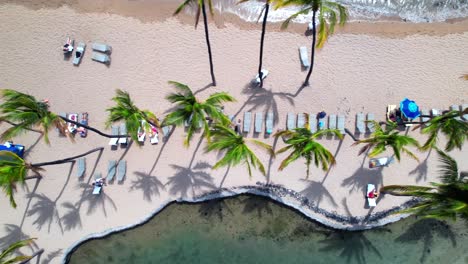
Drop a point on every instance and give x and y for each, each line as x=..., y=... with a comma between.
x=208, y=44
x=90, y=128
x=37, y=253
x=312, y=53
x=55, y=162
x=262, y=39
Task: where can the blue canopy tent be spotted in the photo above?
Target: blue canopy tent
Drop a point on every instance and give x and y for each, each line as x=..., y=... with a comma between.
x=15, y=148
x=409, y=109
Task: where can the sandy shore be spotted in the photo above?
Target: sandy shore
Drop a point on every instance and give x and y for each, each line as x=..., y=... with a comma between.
x=355, y=72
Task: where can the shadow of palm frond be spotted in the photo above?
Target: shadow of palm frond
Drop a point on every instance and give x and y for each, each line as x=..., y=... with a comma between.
x=214, y=208
x=149, y=185
x=30, y=148
x=361, y=177
x=51, y=256
x=13, y=233
x=255, y=204
x=96, y=200
x=421, y=169
x=316, y=192
x=354, y=246
x=426, y=230
x=186, y=179
x=71, y=219
x=45, y=211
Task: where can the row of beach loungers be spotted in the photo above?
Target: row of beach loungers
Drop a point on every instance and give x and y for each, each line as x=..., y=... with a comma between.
x=114, y=168
x=122, y=131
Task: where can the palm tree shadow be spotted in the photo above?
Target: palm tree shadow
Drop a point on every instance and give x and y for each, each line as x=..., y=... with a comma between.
x=425, y=230
x=71, y=219
x=363, y=176
x=12, y=234
x=45, y=211
x=51, y=256
x=203, y=89
x=224, y=177
x=149, y=185
x=26, y=152
x=214, y=208
x=190, y=179
x=353, y=245
x=316, y=192
x=163, y=146
x=96, y=201
x=421, y=169
x=253, y=203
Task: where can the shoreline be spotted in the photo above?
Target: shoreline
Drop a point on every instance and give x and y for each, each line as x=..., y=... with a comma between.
x=329, y=219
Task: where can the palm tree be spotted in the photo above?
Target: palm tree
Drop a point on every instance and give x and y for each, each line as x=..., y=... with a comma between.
x=390, y=137
x=5, y=255
x=201, y=8
x=303, y=144
x=448, y=199
x=14, y=169
x=266, y=8
x=127, y=111
x=24, y=112
x=328, y=13
x=194, y=112
x=237, y=150
x=451, y=126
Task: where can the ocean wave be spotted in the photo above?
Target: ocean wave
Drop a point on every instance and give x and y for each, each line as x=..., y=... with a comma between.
x=359, y=10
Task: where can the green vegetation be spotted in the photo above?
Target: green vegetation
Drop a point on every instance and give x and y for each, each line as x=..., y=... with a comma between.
x=6, y=258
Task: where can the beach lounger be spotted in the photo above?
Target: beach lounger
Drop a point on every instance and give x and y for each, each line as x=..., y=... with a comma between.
x=166, y=130
x=115, y=132
x=435, y=112
x=70, y=126
x=102, y=47
x=100, y=57
x=304, y=57
x=360, y=125
x=121, y=170
x=79, y=52
x=111, y=170
x=424, y=114
x=322, y=123
x=332, y=121
x=291, y=121
x=83, y=120
x=370, y=125
x=81, y=167
x=154, y=136
x=312, y=123
x=58, y=130
x=97, y=187
x=269, y=123
x=462, y=108
x=123, y=133
x=340, y=124
x=372, y=201
x=391, y=109
x=301, y=120
x=380, y=162
x=247, y=117
x=455, y=108
x=264, y=75
x=231, y=118
x=258, y=122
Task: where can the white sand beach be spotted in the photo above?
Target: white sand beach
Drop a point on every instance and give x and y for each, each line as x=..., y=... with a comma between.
x=360, y=69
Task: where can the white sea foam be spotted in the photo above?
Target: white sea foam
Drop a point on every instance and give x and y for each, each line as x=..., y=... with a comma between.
x=364, y=10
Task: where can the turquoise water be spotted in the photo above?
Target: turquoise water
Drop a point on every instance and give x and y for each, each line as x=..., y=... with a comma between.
x=251, y=229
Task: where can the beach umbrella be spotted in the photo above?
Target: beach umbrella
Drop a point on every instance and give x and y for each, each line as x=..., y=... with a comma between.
x=409, y=108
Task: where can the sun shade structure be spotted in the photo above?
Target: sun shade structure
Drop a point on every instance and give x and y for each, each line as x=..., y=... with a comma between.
x=409, y=109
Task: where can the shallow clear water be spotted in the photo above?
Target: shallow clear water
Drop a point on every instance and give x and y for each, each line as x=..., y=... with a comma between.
x=251, y=229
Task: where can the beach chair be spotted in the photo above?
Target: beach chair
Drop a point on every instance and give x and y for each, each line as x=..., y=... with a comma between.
x=114, y=132
x=102, y=47
x=371, y=201
x=247, y=121
x=291, y=121
x=312, y=123
x=111, y=170
x=58, y=130
x=360, y=125
x=380, y=162
x=123, y=133
x=231, y=118
x=97, y=187
x=391, y=109
x=340, y=124
x=322, y=123
x=79, y=52
x=301, y=120
x=435, y=112
x=258, y=122
x=332, y=121
x=84, y=121
x=154, y=136
x=70, y=126
x=304, y=57
x=100, y=57
x=166, y=130
x=462, y=108
x=269, y=123
x=81, y=167
x=455, y=108
x=424, y=115
x=264, y=75
x=121, y=170
x=370, y=125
